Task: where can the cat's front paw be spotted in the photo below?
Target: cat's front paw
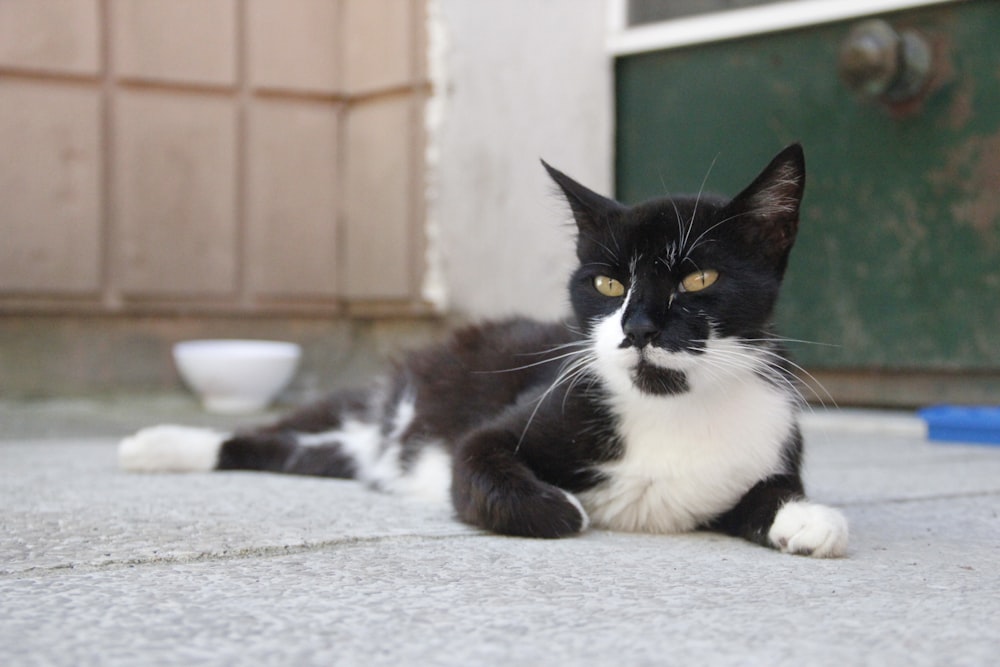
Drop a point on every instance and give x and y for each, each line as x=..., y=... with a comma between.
x=536, y=510
x=808, y=529
x=553, y=512
x=547, y=512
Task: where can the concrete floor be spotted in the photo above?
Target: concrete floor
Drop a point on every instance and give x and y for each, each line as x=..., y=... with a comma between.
x=99, y=567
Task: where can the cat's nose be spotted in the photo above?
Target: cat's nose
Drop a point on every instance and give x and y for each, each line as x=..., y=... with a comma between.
x=639, y=331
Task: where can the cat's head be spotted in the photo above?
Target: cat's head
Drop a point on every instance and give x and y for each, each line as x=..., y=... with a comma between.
x=664, y=284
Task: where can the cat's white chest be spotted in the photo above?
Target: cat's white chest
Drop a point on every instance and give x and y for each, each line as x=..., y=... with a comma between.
x=690, y=457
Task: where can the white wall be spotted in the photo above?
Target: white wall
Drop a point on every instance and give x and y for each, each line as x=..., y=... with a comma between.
x=516, y=80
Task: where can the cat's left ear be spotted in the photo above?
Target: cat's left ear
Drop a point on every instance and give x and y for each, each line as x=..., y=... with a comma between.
x=768, y=209
x=590, y=209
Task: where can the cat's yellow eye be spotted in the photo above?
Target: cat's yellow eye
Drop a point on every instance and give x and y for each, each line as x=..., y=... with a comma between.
x=609, y=286
x=699, y=280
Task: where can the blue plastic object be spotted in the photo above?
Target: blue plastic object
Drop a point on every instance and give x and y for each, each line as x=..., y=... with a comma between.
x=957, y=423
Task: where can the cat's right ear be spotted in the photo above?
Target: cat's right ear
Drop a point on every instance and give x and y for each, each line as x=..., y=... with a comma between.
x=590, y=210
x=768, y=209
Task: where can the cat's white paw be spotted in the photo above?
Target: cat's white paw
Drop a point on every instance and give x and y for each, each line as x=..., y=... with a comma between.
x=801, y=527
x=171, y=449
x=575, y=502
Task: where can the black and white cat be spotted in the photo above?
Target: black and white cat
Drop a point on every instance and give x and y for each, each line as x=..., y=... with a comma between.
x=665, y=404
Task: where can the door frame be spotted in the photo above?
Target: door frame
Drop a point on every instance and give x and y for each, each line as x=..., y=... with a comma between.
x=626, y=40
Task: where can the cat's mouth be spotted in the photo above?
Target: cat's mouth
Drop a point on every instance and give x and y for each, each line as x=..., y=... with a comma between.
x=658, y=371
x=650, y=378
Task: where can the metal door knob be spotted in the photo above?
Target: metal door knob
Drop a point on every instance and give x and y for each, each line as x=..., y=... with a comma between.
x=878, y=62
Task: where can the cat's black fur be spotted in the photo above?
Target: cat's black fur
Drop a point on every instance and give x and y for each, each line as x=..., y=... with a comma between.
x=531, y=412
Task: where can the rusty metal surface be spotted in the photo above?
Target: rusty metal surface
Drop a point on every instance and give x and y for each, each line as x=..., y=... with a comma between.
x=897, y=266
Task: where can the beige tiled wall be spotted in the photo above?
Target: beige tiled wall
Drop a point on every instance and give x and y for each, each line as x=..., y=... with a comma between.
x=380, y=190
x=50, y=179
x=51, y=35
x=365, y=23
x=186, y=41
x=291, y=195
x=283, y=35
x=170, y=156
x=175, y=202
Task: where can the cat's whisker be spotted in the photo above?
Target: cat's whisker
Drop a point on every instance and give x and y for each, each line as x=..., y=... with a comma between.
x=780, y=359
x=614, y=239
x=697, y=202
x=701, y=236
x=571, y=371
x=633, y=266
x=779, y=339
x=750, y=360
x=677, y=213
x=812, y=380
x=572, y=328
x=774, y=365
x=611, y=253
x=556, y=348
x=744, y=358
x=607, y=265
x=723, y=376
x=724, y=371
x=576, y=378
x=678, y=246
x=663, y=182
x=531, y=365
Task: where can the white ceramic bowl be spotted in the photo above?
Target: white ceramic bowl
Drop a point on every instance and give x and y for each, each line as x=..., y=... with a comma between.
x=236, y=376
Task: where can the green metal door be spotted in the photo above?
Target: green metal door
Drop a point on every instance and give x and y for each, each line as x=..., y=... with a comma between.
x=897, y=266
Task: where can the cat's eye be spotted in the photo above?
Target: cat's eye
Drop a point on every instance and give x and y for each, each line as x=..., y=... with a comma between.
x=609, y=286
x=699, y=280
